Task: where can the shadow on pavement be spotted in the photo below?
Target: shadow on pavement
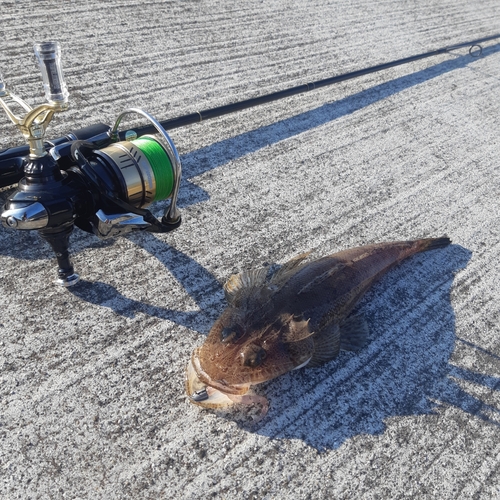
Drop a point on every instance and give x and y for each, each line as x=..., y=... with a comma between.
x=200, y=285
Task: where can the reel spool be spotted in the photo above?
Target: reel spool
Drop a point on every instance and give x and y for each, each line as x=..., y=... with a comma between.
x=160, y=169
x=141, y=168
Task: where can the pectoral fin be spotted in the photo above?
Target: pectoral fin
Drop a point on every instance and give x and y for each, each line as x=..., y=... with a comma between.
x=353, y=333
x=350, y=335
x=326, y=345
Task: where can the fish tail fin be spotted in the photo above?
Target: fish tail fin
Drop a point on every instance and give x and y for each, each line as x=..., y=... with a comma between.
x=423, y=245
x=433, y=243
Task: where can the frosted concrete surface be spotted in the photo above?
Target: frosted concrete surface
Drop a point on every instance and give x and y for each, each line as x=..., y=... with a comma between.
x=92, y=401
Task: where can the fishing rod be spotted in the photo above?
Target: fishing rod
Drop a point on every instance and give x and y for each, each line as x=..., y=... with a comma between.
x=101, y=179
x=275, y=96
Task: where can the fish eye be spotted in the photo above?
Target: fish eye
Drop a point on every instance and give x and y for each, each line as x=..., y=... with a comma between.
x=254, y=356
x=231, y=333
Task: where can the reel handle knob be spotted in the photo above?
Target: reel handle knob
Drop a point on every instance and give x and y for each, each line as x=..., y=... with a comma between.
x=48, y=55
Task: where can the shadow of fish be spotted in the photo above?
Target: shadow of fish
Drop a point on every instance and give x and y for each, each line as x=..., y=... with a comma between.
x=297, y=317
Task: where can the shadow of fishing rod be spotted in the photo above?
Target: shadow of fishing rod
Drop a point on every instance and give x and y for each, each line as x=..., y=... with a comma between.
x=201, y=286
x=220, y=153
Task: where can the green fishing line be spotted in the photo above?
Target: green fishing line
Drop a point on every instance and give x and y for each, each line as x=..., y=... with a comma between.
x=160, y=164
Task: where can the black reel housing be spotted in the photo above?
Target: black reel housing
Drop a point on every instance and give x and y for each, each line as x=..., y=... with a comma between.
x=89, y=180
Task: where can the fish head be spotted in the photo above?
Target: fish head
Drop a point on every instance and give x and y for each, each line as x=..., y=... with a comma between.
x=241, y=351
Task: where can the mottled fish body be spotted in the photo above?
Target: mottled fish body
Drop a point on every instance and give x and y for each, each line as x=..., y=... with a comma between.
x=297, y=317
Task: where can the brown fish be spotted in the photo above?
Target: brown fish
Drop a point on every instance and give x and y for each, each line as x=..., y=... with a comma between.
x=298, y=316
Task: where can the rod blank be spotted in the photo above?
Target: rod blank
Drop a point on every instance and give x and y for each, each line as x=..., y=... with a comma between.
x=199, y=116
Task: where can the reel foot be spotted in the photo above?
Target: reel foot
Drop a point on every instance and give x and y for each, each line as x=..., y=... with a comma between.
x=59, y=241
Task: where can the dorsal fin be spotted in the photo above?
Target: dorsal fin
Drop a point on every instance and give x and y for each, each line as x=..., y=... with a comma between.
x=248, y=283
x=282, y=275
x=243, y=285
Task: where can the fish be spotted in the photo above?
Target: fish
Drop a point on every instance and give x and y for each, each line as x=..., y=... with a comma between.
x=298, y=316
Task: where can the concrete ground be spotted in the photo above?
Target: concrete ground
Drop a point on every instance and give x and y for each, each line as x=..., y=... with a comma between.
x=92, y=401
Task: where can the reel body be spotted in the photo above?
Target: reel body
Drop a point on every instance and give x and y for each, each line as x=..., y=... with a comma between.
x=101, y=184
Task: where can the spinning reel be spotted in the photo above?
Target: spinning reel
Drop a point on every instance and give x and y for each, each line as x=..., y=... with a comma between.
x=89, y=178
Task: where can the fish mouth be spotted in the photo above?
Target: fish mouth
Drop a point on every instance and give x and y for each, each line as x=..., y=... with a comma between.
x=204, y=391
